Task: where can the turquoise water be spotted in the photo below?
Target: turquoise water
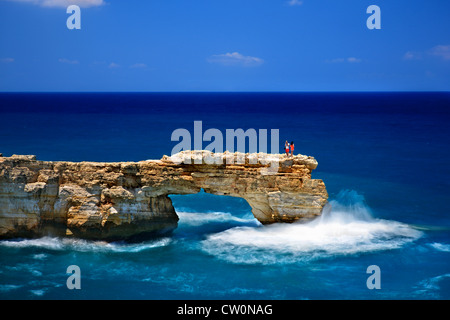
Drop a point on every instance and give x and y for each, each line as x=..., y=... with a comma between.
x=384, y=159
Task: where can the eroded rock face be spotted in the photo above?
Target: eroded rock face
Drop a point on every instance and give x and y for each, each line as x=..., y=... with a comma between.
x=120, y=200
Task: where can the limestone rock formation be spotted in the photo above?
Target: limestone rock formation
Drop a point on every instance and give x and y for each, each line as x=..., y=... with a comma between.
x=120, y=200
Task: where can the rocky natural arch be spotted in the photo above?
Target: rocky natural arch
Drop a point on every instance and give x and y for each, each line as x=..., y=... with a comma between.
x=123, y=199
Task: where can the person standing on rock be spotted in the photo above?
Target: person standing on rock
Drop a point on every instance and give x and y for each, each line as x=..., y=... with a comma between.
x=292, y=148
x=286, y=148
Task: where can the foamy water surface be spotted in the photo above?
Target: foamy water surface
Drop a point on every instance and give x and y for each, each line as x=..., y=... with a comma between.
x=348, y=228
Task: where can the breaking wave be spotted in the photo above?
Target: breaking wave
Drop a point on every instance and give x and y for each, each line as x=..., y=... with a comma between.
x=197, y=218
x=440, y=246
x=63, y=244
x=348, y=228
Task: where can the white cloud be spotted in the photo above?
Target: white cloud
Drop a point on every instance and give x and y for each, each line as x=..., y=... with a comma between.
x=342, y=60
x=138, y=66
x=411, y=55
x=294, y=3
x=113, y=65
x=7, y=60
x=235, y=59
x=64, y=3
x=353, y=60
x=337, y=60
x=442, y=51
x=67, y=61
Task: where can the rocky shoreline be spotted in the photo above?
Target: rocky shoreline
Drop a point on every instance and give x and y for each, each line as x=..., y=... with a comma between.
x=121, y=200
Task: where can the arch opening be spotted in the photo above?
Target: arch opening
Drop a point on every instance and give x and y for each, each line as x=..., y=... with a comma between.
x=211, y=213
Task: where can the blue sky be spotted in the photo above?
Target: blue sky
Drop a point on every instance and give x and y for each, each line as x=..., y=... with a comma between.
x=233, y=45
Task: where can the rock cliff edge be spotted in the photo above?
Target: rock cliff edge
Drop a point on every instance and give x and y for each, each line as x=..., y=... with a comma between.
x=110, y=201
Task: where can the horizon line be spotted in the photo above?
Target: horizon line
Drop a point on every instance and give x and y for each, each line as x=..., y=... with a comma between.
x=184, y=92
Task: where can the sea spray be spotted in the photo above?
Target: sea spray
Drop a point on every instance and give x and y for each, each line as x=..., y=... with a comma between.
x=348, y=228
x=202, y=218
x=80, y=245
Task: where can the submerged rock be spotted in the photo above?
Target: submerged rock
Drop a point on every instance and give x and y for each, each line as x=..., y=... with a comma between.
x=120, y=200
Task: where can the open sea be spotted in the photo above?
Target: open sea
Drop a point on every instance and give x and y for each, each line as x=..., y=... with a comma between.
x=384, y=157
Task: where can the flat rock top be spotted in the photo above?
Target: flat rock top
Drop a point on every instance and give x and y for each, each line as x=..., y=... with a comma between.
x=197, y=157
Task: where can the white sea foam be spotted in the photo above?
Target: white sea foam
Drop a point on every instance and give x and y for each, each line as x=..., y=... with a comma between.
x=200, y=218
x=8, y=287
x=430, y=287
x=60, y=244
x=39, y=292
x=347, y=229
x=44, y=242
x=441, y=246
x=40, y=256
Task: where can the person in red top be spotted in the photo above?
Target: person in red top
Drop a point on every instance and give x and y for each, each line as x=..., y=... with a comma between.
x=292, y=148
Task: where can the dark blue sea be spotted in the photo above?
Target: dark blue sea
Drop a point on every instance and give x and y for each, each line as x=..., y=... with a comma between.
x=384, y=157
